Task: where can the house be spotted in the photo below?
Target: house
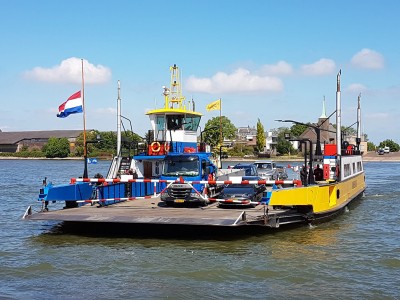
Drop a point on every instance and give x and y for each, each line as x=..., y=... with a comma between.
x=326, y=130
x=16, y=141
x=246, y=135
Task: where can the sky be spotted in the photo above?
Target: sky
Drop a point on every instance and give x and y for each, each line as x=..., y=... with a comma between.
x=265, y=60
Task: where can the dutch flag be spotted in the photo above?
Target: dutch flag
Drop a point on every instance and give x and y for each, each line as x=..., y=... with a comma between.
x=73, y=105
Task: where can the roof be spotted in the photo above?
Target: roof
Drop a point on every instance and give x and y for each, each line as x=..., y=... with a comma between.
x=173, y=111
x=17, y=136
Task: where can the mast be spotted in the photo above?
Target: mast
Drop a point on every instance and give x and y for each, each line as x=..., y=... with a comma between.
x=85, y=171
x=119, y=120
x=358, y=141
x=338, y=117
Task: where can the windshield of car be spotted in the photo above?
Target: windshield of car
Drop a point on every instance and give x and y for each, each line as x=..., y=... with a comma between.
x=181, y=166
x=249, y=170
x=266, y=166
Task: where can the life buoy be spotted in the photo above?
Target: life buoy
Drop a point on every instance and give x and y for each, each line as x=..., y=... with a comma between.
x=166, y=147
x=155, y=147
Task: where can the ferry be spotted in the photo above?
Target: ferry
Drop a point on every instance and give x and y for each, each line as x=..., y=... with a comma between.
x=173, y=181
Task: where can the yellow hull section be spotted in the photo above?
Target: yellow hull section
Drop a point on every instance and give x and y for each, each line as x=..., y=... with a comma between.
x=323, y=198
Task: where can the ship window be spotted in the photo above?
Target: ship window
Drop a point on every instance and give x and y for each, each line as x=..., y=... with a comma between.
x=192, y=123
x=174, y=122
x=160, y=123
x=346, y=170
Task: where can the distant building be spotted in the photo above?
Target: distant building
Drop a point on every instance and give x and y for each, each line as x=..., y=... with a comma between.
x=16, y=141
x=271, y=141
x=246, y=135
x=327, y=132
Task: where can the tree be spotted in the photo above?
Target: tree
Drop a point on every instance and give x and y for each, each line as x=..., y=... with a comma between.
x=284, y=146
x=371, y=146
x=211, y=132
x=394, y=147
x=297, y=129
x=56, y=147
x=349, y=131
x=260, y=136
x=90, y=136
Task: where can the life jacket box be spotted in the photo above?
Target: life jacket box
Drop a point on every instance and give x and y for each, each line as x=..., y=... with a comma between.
x=330, y=150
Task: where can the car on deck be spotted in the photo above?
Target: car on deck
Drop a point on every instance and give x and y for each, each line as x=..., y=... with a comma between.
x=249, y=169
x=239, y=195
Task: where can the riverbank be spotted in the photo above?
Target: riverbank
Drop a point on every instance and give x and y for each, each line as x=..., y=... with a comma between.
x=368, y=157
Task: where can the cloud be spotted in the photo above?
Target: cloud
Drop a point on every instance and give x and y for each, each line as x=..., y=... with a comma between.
x=368, y=59
x=241, y=80
x=378, y=116
x=70, y=71
x=356, y=87
x=324, y=66
x=280, y=68
x=106, y=111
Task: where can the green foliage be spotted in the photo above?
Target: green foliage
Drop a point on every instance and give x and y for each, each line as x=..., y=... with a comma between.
x=108, y=141
x=394, y=147
x=129, y=137
x=371, y=146
x=33, y=153
x=240, y=150
x=284, y=146
x=297, y=129
x=260, y=136
x=349, y=131
x=107, y=144
x=211, y=132
x=56, y=147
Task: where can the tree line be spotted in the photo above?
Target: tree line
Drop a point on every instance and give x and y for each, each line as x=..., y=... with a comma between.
x=106, y=145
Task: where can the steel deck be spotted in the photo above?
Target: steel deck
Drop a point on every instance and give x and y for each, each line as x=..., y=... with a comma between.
x=153, y=211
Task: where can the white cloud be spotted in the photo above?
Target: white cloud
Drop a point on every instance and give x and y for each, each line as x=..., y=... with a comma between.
x=356, y=87
x=322, y=67
x=378, y=116
x=106, y=111
x=70, y=71
x=241, y=80
x=280, y=68
x=368, y=59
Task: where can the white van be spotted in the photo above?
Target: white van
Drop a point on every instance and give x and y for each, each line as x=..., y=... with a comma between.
x=386, y=149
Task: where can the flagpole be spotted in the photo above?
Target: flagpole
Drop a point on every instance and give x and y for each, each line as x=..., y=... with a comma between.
x=220, y=121
x=85, y=171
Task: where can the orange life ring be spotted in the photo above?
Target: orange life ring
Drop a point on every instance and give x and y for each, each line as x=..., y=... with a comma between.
x=155, y=147
x=166, y=147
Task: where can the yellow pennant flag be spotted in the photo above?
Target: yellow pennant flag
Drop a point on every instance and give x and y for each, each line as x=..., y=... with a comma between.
x=216, y=105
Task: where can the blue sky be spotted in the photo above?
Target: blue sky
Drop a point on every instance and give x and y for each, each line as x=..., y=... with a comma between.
x=265, y=59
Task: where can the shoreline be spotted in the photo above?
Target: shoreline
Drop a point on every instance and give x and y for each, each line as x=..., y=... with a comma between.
x=367, y=158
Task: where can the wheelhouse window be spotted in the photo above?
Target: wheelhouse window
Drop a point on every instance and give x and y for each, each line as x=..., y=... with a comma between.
x=174, y=122
x=192, y=123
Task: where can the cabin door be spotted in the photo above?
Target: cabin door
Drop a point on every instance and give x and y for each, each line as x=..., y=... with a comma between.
x=147, y=169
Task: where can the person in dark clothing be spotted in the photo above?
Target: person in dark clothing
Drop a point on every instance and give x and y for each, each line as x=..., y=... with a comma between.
x=318, y=174
x=303, y=175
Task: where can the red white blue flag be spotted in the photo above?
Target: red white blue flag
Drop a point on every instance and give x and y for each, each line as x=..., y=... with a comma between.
x=73, y=105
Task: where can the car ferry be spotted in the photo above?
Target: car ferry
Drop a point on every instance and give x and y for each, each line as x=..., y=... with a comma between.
x=141, y=199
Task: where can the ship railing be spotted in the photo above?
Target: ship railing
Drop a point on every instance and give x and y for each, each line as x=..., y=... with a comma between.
x=120, y=195
x=294, y=182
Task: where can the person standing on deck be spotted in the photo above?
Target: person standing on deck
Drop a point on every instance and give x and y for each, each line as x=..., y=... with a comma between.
x=318, y=174
x=303, y=175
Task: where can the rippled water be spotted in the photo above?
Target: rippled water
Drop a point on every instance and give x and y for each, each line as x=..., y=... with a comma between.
x=356, y=256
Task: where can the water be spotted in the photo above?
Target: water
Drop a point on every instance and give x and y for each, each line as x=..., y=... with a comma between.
x=356, y=256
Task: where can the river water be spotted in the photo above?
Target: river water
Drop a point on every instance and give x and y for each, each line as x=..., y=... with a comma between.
x=355, y=256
